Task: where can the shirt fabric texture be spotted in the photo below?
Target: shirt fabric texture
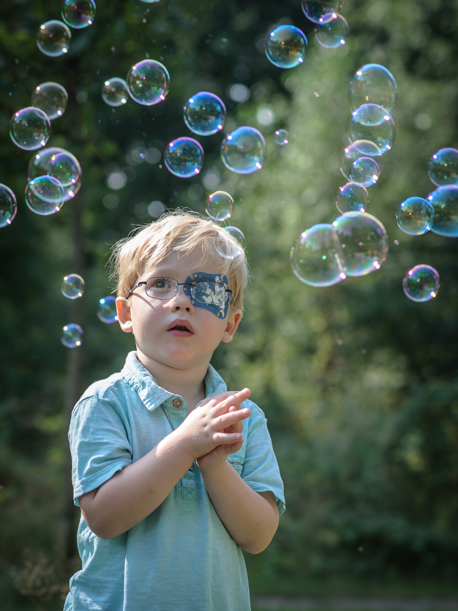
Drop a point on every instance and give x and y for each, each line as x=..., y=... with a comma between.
x=180, y=557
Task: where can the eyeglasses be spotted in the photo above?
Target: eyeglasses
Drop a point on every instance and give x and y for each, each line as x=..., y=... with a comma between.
x=205, y=292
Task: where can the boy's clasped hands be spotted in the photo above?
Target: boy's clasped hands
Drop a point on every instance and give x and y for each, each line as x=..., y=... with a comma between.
x=213, y=430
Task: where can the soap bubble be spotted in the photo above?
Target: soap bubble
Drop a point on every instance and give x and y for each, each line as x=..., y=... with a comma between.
x=333, y=33
x=78, y=13
x=372, y=122
x=421, y=283
x=362, y=163
x=8, y=206
x=232, y=247
x=443, y=167
x=30, y=128
x=281, y=137
x=72, y=286
x=243, y=151
x=56, y=162
x=66, y=168
x=317, y=258
x=71, y=336
x=321, y=11
x=352, y=198
x=219, y=206
x=51, y=98
x=204, y=113
x=364, y=242
x=148, y=82
x=184, y=157
x=53, y=38
x=114, y=92
x=445, y=203
x=107, y=310
x=44, y=195
x=286, y=46
x=415, y=216
x=373, y=84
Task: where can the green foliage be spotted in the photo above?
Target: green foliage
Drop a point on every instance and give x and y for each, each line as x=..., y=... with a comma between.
x=358, y=382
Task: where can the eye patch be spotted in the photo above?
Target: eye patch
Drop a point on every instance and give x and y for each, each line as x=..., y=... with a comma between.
x=209, y=291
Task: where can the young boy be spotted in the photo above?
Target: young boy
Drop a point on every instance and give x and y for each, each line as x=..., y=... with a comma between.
x=173, y=474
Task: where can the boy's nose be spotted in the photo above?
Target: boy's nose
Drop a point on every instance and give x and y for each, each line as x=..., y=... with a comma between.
x=181, y=300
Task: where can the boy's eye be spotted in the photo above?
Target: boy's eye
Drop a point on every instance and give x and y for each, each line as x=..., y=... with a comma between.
x=159, y=283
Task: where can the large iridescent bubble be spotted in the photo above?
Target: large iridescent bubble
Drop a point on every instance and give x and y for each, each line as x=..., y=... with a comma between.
x=72, y=286
x=244, y=150
x=443, y=167
x=106, y=310
x=184, y=157
x=78, y=13
x=287, y=46
x=204, y=113
x=362, y=163
x=317, y=258
x=373, y=84
x=219, y=206
x=332, y=34
x=415, y=216
x=421, y=283
x=44, y=195
x=372, y=122
x=445, y=203
x=51, y=98
x=60, y=164
x=352, y=198
x=321, y=11
x=30, y=128
x=8, y=206
x=53, y=38
x=363, y=240
x=230, y=248
x=72, y=336
x=114, y=92
x=148, y=82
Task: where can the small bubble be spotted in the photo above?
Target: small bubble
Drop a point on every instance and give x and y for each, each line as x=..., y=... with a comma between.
x=107, y=310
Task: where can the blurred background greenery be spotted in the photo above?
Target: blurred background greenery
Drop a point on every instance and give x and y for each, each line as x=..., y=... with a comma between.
x=359, y=383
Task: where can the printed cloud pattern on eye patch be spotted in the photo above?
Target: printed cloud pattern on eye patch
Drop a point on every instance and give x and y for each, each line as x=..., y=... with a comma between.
x=208, y=291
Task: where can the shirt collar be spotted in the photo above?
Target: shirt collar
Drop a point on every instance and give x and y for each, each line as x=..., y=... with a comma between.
x=153, y=395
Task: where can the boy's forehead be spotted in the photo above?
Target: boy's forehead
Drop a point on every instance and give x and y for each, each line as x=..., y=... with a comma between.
x=184, y=263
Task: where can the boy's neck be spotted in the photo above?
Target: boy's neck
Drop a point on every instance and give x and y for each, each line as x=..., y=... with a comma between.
x=187, y=383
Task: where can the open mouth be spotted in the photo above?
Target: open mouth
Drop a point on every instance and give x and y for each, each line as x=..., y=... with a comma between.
x=180, y=329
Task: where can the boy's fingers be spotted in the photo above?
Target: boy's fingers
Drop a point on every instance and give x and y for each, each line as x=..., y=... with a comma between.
x=228, y=438
x=235, y=400
x=233, y=417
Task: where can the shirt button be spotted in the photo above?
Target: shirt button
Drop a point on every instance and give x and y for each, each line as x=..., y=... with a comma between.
x=177, y=403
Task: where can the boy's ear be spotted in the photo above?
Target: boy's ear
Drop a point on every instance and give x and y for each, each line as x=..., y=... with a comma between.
x=231, y=326
x=123, y=311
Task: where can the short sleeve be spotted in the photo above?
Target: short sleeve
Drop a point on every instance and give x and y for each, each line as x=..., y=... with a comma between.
x=99, y=444
x=260, y=469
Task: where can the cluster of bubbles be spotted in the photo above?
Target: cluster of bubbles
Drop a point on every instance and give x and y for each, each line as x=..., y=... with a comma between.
x=219, y=207
x=438, y=212
x=54, y=174
x=287, y=45
x=54, y=37
x=73, y=288
x=356, y=243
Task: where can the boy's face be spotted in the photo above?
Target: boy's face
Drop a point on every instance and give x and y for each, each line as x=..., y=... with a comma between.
x=176, y=332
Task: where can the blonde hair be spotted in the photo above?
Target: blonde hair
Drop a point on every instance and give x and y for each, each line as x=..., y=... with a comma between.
x=179, y=231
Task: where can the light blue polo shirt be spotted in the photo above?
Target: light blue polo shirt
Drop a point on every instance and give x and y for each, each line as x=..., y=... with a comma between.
x=179, y=558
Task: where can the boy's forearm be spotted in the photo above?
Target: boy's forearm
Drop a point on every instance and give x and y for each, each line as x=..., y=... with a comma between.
x=136, y=491
x=249, y=518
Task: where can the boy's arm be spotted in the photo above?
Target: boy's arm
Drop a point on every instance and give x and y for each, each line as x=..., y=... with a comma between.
x=136, y=491
x=251, y=518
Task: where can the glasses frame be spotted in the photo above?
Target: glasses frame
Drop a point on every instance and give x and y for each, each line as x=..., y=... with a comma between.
x=177, y=288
